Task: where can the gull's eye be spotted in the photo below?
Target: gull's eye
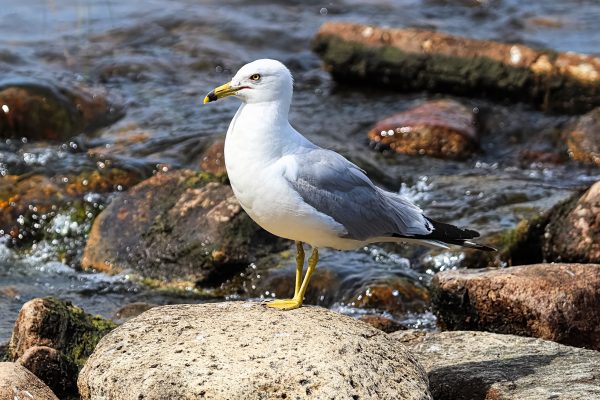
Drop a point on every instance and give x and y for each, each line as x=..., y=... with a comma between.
x=255, y=77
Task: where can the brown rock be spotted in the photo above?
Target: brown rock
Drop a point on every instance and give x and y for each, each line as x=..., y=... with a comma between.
x=59, y=325
x=16, y=382
x=181, y=225
x=573, y=231
x=488, y=366
x=38, y=110
x=558, y=302
x=443, y=129
x=584, y=139
x=382, y=323
x=415, y=59
x=213, y=159
x=53, y=368
x=238, y=350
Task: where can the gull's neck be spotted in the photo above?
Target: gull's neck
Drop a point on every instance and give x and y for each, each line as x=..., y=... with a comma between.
x=262, y=129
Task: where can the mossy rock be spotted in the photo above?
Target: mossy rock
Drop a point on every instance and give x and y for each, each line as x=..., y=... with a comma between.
x=528, y=243
x=60, y=325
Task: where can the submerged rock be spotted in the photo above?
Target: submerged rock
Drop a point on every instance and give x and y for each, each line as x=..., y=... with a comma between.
x=584, y=139
x=131, y=310
x=40, y=110
x=249, y=351
x=28, y=203
x=489, y=366
x=55, y=338
x=442, y=128
x=382, y=323
x=17, y=383
x=558, y=302
x=417, y=59
x=181, y=225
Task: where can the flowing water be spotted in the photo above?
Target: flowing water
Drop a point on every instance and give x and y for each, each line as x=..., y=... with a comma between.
x=159, y=58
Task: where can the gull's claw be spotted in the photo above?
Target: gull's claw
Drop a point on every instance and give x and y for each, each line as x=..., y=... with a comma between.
x=285, y=304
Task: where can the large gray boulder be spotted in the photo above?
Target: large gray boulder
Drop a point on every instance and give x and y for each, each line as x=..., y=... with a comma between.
x=239, y=350
x=465, y=365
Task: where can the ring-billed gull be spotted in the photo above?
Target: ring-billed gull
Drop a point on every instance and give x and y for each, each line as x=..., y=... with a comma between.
x=299, y=191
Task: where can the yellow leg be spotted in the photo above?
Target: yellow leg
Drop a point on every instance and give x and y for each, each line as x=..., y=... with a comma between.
x=299, y=266
x=296, y=302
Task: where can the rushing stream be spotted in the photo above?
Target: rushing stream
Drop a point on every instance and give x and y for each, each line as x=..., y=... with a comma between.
x=159, y=58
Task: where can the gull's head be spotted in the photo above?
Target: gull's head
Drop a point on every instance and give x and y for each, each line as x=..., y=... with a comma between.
x=259, y=81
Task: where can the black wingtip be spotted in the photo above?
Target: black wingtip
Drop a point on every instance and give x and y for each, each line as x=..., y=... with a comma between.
x=450, y=234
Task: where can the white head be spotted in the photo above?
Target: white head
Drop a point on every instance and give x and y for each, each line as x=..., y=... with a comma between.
x=259, y=81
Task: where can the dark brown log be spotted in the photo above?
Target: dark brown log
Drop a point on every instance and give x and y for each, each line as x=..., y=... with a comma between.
x=413, y=59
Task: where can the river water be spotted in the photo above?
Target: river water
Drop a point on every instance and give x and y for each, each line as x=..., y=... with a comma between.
x=159, y=58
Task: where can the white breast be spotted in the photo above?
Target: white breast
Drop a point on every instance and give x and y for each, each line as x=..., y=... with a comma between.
x=256, y=174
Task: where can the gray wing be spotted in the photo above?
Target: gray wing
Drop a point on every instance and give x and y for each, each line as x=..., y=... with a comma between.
x=336, y=187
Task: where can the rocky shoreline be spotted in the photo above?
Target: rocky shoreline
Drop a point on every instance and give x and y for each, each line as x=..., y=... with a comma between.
x=522, y=324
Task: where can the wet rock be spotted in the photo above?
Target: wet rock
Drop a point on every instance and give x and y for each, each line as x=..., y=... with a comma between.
x=395, y=296
x=489, y=366
x=181, y=225
x=213, y=159
x=40, y=110
x=16, y=382
x=29, y=202
x=131, y=310
x=60, y=325
x=572, y=233
x=382, y=323
x=558, y=302
x=584, y=139
x=246, y=350
x=442, y=128
x=415, y=59
x=53, y=368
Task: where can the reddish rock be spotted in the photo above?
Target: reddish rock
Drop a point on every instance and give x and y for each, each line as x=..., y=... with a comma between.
x=382, y=323
x=38, y=110
x=16, y=382
x=488, y=366
x=53, y=368
x=573, y=231
x=584, y=139
x=443, y=129
x=558, y=302
x=213, y=159
x=182, y=225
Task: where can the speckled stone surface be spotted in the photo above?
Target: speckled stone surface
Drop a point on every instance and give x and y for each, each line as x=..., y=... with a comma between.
x=240, y=350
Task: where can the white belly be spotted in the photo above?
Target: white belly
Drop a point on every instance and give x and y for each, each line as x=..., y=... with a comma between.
x=257, y=178
x=268, y=200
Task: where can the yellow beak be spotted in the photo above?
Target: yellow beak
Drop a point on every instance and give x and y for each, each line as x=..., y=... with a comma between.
x=220, y=92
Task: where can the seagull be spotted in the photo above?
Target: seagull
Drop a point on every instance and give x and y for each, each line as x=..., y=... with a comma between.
x=299, y=191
